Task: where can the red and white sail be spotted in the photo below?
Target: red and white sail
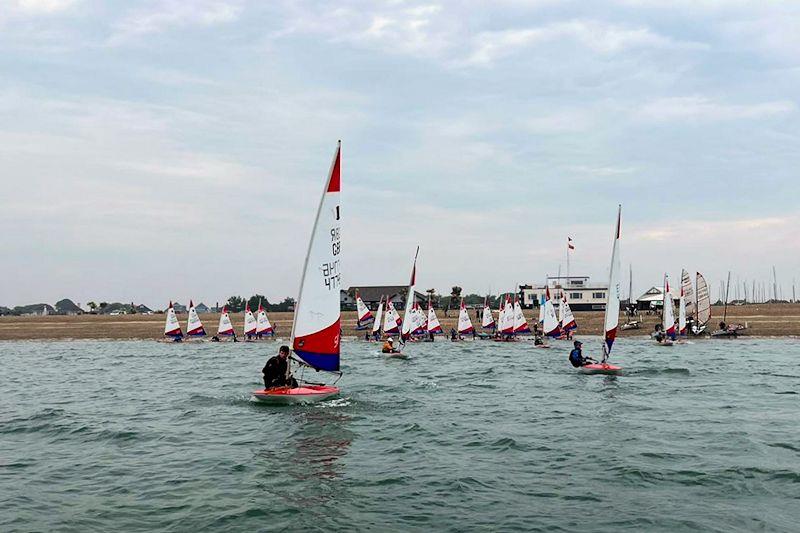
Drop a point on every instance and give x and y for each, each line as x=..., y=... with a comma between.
x=566, y=319
x=376, y=324
x=507, y=320
x=667, y=314
x=263, y=326
x=682, y=313
x=364, y=314
x=688, y=292
x=410, y=318
x=250, y=323
x=194, y=327
x=392, y=320
x=550, y=325
x=225, y=326
x=611, y=320
x=464, y=323
x=172, y=328
x=487, y=319
x=433, y=321
x=520, y=323
x=316, y=331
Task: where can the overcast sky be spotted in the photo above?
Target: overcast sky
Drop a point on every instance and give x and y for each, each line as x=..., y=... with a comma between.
x=171, y=150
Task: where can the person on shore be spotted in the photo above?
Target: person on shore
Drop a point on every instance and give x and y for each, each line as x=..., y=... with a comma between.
x=388, y=346
x=277, y=369
x=576, y=356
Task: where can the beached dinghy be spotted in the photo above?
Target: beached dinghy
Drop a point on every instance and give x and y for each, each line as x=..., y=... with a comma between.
x=316, y=330
x=611, y=320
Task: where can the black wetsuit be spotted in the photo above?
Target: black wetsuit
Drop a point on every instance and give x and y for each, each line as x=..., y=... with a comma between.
x=275, y=372
x=577, y=359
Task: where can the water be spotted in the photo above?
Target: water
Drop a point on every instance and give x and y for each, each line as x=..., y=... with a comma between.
x=141, y=436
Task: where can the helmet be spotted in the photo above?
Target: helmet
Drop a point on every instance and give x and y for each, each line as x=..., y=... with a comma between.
x=389, y=340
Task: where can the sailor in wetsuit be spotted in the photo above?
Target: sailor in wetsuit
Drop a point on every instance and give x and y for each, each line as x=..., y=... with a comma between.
x=276, y=370
x=388, y=346
x=576, y=356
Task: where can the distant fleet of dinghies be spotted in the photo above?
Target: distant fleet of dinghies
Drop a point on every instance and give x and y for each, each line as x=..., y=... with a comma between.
x=316, y=328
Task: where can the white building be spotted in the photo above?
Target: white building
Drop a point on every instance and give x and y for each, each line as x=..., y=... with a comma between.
x=582, y=295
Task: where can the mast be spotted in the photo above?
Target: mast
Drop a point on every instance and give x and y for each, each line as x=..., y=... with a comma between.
x=727, y=289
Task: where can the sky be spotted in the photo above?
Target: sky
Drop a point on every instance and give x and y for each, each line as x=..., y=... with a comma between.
x=162, y=150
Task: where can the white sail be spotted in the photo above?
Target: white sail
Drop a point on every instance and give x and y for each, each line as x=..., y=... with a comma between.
x=688, y=292
x=263, y=327
x=391, y=321
x=487, y=319
x=667, y=315
x=541, y=312
x=682, y=314
x=249, y=321
x=316, y=331
x=500, y=308
x=433, y=321
x=194, y=327
x=702, y=301
x=567, y=319
x=507, y=324
x=409, y=319
x=520, y=324
x=550, y=326
x=172, y=328
x=464, y=323
x=611, y=320
x=364, y=314
x=225, y=326
x=376, y=325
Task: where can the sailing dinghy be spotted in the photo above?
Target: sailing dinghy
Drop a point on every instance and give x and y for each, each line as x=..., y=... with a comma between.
x=364, y=314
x=250, y=323
x=667, y=335
x=464, y=322
x=194, y=328
x=611, y=321
x=376, y=324
x=550, y=326
x=172, y=328
x=566, y=319
x=410, y=317
x=520, y=324
x=434, y=326
x=316, y=329
x=392, y=321
x=702, y=304
x=263, y=326
x=487, y=319
x=225, y=328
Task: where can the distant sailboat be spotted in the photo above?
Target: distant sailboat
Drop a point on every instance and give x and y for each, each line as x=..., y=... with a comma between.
x=317, y=326
x=464, y=323
x=611, y=320
x=250, y=323
x=520, y=323
x=225, y=327
x=566, y=319
x=550, y=326
x=376, y=324
x=263, y=327
x=682, y=313
x=702, y=305
x=433, y=321
x=409, y=317
x=194, y=327
x=688, y=293
x=667, y=316
x=487, y=319
x=172, y=328
x=507, y=319
x=391, y=320
x=364, y=314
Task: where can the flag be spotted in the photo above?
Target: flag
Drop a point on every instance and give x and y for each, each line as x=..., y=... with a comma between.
x=570, y=246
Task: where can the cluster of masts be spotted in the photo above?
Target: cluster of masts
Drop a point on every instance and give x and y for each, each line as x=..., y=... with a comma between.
x=255, y=326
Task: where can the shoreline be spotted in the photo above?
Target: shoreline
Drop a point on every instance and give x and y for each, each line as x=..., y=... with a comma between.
x=764, y=320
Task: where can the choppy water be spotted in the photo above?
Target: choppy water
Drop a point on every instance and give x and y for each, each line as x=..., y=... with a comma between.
x=140, y=436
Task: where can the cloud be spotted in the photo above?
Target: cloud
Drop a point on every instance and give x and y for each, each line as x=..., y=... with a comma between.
x=700, y=108
x=600, y=37
x=40, y=7
x=168, y=14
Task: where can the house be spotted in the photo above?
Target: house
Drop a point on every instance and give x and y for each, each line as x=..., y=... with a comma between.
x=143, y=310
x=582, y=294
x=179, y=308
x=202, y=308
x=653, y=298
x=68, y=307
x=396, y=293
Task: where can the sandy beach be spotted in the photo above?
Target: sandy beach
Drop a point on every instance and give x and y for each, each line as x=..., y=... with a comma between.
x=762, y=319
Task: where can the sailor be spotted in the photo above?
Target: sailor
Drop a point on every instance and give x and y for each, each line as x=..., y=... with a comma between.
x=276, y=370
x=658, y=333
x=576, y=356
x=453, y=334
x=388, y=346
x=366, y=335
x=214, y=339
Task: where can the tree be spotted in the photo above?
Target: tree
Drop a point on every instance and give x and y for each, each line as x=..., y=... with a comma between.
x=235, y=304
x=455, y=297
x=255, y=299
x=103, y=305
x=92, y=306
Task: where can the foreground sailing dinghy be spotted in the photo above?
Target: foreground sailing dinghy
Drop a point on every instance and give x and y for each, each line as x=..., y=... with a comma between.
x=316, y=330
x=612, y=311
x=172, y=328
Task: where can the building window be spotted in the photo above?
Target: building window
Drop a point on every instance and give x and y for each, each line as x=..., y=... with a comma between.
x=598, y=295
x=575, y=296
x=576, y=282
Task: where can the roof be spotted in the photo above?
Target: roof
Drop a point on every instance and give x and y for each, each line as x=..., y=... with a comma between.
x=374, y=293
x=654, y=294
x=67, y=306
